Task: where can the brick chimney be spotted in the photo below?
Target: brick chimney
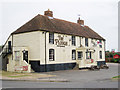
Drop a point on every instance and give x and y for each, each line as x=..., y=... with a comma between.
x=81, y=22
x=48, y=13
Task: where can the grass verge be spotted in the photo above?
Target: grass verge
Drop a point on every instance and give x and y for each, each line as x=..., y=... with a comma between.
x=14, y=74
x=116, y=77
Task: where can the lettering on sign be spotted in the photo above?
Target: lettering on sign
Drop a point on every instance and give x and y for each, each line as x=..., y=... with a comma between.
x=89, y=61
x=18, y=68
x=25, y=68
x=60, y=41
x=21, y=68
x=94, y=44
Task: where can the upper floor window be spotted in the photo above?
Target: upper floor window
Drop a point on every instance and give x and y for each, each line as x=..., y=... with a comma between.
x=51, y=38
x=100, y=53
x=9, y=46
x=51, y=54
x=100, y=43
x=73, y=55
x=73, y=41
x=86, y=42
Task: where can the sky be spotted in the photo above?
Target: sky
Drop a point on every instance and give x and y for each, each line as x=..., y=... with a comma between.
x=100, y=15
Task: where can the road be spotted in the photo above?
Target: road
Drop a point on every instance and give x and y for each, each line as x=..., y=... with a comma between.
x=77, y=79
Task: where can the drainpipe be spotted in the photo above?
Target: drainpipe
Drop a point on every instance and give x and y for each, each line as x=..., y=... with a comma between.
x=105, y=50
x=12, y=46
x=45, y=53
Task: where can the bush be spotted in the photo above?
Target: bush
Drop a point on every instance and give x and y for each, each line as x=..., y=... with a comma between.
x=116, y=60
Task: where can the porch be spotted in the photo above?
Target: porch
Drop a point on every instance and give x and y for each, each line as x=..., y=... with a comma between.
x=85, y=57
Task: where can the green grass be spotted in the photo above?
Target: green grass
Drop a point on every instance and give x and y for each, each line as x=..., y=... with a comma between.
x=116, y=77
x=5, y=73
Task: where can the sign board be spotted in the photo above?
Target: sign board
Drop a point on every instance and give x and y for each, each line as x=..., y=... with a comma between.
x=60, y=41
x=18, y=68
x=116, y=56
x=25, y=68
x=21, y=68
x=89, y=61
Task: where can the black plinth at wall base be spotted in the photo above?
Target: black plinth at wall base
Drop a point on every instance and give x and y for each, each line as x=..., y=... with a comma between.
x=51, y=67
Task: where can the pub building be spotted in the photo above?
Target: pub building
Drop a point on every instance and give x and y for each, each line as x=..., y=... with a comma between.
x=46, y=43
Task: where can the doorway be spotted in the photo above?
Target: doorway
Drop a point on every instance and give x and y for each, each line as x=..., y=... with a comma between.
x=25, y=56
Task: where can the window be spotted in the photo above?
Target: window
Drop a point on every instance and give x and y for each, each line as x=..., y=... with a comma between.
x=51, y=38
x=17, y=55
x=79, y=55
x=73, y=41
x=73, y=55
x=51, y=54
x=100, y=43
x=100, y=53
x=9, y=46
x=90, y=55
x=86, y=42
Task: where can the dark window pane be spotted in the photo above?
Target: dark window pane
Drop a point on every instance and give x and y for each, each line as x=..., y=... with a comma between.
x=100, y=53
x=9, y=46
x=90, y=55
x=86, y=42
x=79, y=55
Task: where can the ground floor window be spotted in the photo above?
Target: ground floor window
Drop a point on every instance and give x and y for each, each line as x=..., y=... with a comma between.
x=51, y=54
x=79, y=55
x=73, y=55
x=100, y=53
x=17, y=55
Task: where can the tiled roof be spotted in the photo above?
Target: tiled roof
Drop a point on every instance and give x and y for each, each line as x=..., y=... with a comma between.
x=41, y=22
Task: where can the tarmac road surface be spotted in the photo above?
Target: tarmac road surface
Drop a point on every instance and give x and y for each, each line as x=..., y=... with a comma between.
x=77, y=79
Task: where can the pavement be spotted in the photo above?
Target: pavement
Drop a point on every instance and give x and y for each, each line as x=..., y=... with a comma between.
x=70, y=79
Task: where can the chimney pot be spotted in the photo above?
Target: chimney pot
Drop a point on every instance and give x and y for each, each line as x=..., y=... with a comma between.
x=81, y=22
x=48, y=13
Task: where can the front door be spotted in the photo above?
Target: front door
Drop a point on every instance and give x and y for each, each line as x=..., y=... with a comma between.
x=25, y=56
x=80, y=59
